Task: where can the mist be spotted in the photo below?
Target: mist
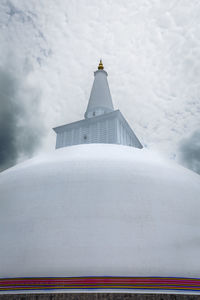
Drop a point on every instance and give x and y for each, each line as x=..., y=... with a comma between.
x=21, y=125
x=190, y=152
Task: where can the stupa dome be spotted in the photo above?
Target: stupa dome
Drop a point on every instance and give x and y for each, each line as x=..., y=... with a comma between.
x=99, y=210
x=101, y=213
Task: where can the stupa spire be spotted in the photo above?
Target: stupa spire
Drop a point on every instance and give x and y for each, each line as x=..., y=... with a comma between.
x=102, y=124
x=100, y=101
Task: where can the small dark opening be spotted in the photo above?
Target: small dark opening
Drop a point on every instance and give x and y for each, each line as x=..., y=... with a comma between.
x=85, y=137
x=94, y=113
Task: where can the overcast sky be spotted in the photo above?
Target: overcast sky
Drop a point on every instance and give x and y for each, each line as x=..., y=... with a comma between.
x=150, y=49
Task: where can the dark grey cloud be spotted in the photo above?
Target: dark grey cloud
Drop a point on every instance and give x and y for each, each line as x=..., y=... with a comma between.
x=21, y=125
x=190, y=151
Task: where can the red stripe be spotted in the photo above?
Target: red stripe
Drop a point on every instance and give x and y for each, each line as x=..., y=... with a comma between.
x=100, y=282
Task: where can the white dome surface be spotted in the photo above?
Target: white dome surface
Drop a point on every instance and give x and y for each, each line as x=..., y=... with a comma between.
x=99, y=210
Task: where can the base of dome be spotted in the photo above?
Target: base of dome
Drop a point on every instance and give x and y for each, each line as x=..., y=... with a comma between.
x=101, y=284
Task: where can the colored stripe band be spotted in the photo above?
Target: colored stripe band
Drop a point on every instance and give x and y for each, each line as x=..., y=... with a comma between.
x=106, y=283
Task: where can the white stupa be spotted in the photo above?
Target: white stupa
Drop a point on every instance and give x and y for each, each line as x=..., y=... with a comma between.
x=99, y=215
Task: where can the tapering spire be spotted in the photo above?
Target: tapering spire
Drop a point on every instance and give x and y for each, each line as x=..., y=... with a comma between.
x=100, y=101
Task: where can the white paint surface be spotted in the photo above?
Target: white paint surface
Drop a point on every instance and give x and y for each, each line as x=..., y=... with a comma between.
x=100, y=101
x=99, y=210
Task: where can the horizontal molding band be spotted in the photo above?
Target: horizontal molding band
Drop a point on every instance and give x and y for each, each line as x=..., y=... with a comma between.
x=84, y=283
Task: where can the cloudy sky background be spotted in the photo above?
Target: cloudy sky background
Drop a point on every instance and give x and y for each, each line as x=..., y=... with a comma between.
x=150, y=49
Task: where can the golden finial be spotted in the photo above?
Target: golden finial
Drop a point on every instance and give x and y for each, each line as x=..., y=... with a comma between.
x=100, y=67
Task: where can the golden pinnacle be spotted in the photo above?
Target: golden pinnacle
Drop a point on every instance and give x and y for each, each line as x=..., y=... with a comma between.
x=100, y=67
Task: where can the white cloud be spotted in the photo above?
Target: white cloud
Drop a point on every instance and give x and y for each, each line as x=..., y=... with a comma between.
x=150, y=49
